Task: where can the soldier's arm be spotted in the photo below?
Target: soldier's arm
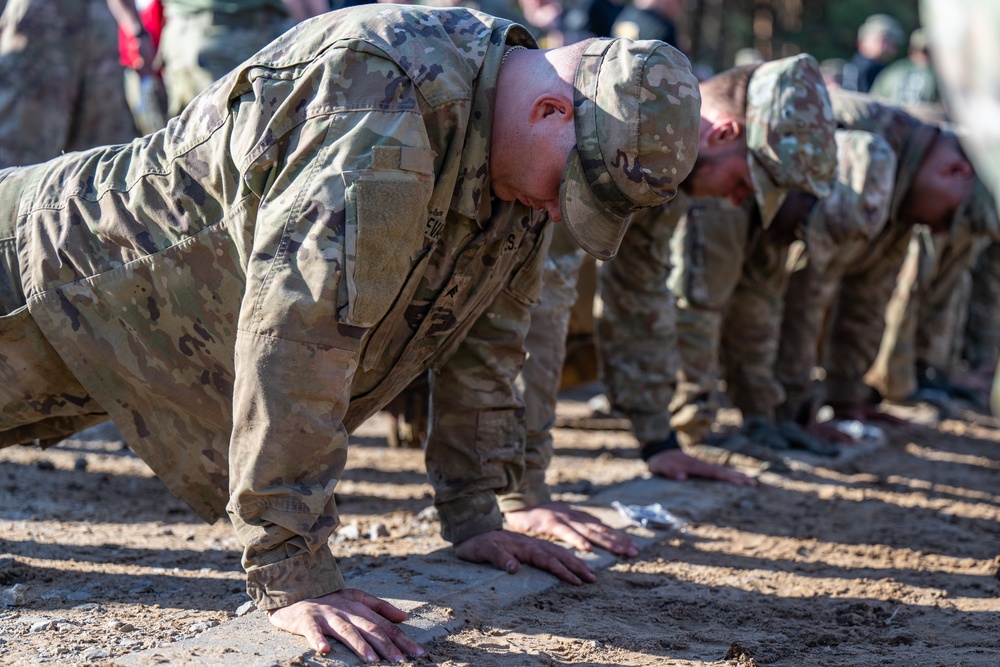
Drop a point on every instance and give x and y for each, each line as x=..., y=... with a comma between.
x=312, y=292
x=475, y=449
x=127, y=17
x=857, y=331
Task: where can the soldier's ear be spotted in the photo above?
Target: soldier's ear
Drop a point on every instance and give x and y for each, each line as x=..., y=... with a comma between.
x=959, y=167
x=552, y=106
x=723, y=133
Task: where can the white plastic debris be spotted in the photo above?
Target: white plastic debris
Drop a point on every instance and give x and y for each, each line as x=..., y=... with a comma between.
x=862, y=433
x=650, y=516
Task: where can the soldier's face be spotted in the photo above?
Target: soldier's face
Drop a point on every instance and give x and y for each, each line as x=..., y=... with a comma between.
x=530, y=166
x=942, y=182
x=723, y=173
x=536, y=185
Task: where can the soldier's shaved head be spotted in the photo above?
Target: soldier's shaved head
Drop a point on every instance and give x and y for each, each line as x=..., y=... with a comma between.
x=726, y=93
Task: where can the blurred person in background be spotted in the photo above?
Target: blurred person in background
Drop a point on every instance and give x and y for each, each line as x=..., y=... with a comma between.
x=910, y=81
x=833, y=72
x=592, y=18
x=649, y=19
x=879, y=40
x=204, y=39
x=60, y=79
x=137, y=46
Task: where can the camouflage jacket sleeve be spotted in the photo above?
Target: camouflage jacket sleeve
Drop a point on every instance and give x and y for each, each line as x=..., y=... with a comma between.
x=312, y=291
x=637, y=331
x=475, y=449
x=751, y=329
x=860, y=321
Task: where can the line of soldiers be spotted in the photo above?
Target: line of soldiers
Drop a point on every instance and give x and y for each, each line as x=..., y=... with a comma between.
x=855, y=254
x=344, y=213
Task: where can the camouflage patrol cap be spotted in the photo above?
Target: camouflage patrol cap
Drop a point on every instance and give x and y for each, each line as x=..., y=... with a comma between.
x=858, y=206
x=637, y=113
x=790, y=132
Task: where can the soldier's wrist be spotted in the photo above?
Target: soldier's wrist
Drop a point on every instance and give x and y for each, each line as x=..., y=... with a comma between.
x=654, y=447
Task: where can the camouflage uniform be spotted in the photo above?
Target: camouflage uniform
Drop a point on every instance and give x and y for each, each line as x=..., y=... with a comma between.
x=846, y=236
x=242, y=289
x=637, y=329
x=204, y=39
x=861, y=281
x=981, y=347
x=61, y=80
x=926, y=317
x=636, y=339
x=725, y=257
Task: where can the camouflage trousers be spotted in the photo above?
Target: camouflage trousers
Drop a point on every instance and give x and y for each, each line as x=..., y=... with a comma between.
x=926, y=317
x=61, y=84
x=198, y=49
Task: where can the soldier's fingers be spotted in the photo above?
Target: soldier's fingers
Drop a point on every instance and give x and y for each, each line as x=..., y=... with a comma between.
x=315, y=636
x=559, y=562
x=608, y=538
x=382, y=608
x=572, y=535
x=386, y=637
x=345, y=631
x=489, y=548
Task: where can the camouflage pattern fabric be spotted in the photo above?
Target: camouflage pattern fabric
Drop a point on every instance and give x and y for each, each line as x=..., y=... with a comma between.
x=636, y=340
x=637, y=329
x=860, y=320
x=198, y=48
x=927, y=315
x=222, y=288
x=908, y=136
x=601, y=189
x=62, y=84
x=243, y=288
x=709, y=250
x=790, y=143
x=791, y=146
x=847, y=239
x=540, y=377
x=981, y=347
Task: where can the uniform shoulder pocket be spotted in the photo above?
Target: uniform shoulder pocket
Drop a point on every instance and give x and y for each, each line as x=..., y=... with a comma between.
x=386, y=219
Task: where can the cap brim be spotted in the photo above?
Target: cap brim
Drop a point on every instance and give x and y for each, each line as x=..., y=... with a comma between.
x=769, y=196
x=595, y=228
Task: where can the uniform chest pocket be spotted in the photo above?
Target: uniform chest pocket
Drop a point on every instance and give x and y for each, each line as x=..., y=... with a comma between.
x=386, y=214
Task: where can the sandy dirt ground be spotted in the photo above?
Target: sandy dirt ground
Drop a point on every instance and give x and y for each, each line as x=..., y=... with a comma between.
x=890, y=558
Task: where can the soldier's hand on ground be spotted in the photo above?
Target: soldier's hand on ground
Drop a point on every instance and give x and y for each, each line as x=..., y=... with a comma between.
x=364, y=623
x=573, y=526
x=675, y=464
x=508, y=550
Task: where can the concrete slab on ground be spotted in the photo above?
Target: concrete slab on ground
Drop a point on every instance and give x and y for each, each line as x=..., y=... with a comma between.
x=437, y=591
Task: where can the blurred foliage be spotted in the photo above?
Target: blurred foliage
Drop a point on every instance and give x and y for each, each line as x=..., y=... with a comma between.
x=714, y=30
